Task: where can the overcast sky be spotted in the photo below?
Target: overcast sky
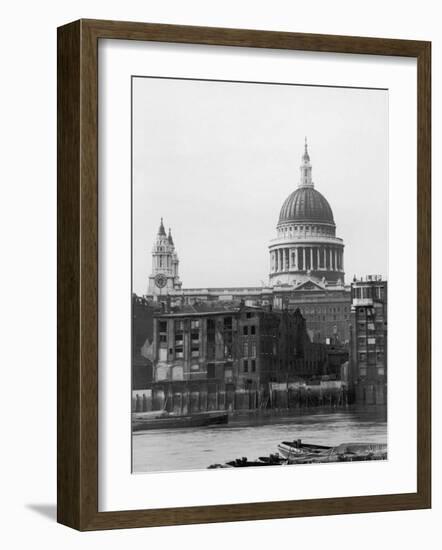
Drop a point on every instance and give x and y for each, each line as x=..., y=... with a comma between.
x=217, y=159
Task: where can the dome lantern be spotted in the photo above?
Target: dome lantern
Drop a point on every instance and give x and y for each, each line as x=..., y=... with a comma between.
x=306, y=169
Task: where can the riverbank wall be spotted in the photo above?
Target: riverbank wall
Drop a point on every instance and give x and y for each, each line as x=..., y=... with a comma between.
x=185, y=399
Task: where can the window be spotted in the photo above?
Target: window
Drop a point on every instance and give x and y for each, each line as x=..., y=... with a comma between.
x=162, y=327
x=195, y=324
x=179, y=325
x=228, y=375
x=195, y=350
x=227, y=322
x=210, y=350
x=210, y=370
x=179, y=352
x=253, y=349
x=195, y=336
x=363, y=371
x=245, y=365
x=210, y=324
x=253, y=362
x=371, y=341
x=381, y=371
x=253, y=329
x=195, y=367
x=245, y=330
x=245, y=349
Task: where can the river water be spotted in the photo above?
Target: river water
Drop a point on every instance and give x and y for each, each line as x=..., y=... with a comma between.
x=253, y=436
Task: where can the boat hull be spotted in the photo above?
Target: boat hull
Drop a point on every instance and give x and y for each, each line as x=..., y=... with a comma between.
x=289, y=449
x=139, y=423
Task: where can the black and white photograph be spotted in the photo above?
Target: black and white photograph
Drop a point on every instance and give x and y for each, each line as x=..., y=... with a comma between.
x=220, y=217
x=259, y=274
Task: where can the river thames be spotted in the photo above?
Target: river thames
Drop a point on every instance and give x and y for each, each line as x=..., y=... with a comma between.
x=253, y=436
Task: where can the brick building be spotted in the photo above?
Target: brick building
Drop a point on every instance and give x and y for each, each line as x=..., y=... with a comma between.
x=235, y=344
x=368, y=347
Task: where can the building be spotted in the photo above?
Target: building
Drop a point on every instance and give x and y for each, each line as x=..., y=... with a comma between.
x=368, y=348
x=306, y=267
x=306, y=245
x=142, y=336
x=164, y=277
x=231, y=343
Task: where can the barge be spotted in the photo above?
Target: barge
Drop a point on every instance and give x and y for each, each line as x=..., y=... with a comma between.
x=163, y=420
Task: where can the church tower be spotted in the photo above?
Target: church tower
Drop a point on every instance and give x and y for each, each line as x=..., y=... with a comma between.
x=164, y=276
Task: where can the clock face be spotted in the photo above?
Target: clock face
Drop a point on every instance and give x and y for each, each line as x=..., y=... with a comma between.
x=160, y=280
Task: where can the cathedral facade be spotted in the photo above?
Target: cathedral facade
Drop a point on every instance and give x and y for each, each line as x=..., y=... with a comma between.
x=306, y=266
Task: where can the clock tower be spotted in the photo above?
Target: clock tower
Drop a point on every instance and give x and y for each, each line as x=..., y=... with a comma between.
x=164, y=276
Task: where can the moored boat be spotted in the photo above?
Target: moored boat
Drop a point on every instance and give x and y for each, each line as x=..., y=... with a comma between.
x=289, y=449
x=345, y=452
x=243, y=462
x=296, y=452
x=163, y=420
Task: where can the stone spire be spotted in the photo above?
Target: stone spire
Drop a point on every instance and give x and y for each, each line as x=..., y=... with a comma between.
x=306, y=168
x=169, y=237
x=161, y=230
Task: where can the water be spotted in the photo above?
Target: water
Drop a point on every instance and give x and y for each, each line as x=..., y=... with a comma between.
x=253, y=436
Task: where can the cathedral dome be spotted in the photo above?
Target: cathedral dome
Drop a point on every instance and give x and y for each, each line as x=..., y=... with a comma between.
x=306, y=204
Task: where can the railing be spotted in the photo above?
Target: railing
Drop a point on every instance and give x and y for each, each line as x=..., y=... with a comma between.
x=308, y=238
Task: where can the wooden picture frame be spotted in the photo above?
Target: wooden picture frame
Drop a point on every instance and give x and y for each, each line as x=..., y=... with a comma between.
x=78, y=274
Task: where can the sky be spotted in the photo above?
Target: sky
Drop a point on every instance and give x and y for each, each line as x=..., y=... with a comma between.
x=217, y=159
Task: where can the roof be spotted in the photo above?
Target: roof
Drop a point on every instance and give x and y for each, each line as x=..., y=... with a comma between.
x=306, y=205
x=207, y=308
